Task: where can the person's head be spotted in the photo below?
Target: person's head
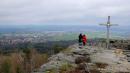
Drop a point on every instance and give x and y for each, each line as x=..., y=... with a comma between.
x=80, y=33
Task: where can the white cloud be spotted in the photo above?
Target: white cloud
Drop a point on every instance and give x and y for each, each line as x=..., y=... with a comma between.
x=41, y=11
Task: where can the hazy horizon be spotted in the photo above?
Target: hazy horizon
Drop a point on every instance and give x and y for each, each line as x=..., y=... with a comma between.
x=75, y=28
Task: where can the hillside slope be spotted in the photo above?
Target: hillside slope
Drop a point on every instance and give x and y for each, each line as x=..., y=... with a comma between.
x=87, y=60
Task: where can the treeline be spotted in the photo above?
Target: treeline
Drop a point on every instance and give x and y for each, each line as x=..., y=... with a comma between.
x=49, y=47
x=44, y=47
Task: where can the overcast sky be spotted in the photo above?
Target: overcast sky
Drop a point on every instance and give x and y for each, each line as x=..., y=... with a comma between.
x=89, y=12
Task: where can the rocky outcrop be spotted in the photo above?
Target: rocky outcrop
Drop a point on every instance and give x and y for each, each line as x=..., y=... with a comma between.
x=86, y=60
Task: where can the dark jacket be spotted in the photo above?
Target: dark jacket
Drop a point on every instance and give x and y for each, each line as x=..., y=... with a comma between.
x=80, y=38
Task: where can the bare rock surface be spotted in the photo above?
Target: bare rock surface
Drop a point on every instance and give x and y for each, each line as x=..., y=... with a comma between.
x=91, y=58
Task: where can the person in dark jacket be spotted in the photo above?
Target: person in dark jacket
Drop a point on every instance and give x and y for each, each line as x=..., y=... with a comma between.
x=80, y=39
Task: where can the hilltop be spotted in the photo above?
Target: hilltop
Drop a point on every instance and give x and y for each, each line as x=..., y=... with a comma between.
x=87, y=60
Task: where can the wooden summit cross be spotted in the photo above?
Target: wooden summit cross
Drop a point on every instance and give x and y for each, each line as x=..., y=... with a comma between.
x=108, y=25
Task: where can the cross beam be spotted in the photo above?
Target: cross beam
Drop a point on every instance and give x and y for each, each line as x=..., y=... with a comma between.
x=108, y=25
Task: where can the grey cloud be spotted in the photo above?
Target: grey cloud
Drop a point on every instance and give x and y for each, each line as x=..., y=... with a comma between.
x=36, y=11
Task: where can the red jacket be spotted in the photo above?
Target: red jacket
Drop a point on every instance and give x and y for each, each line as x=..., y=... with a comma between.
x=84, y=38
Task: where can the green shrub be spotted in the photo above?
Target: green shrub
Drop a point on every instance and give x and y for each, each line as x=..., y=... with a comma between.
x=65, y=67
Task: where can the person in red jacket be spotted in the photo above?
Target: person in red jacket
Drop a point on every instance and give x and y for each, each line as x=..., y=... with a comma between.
x=84, y=40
